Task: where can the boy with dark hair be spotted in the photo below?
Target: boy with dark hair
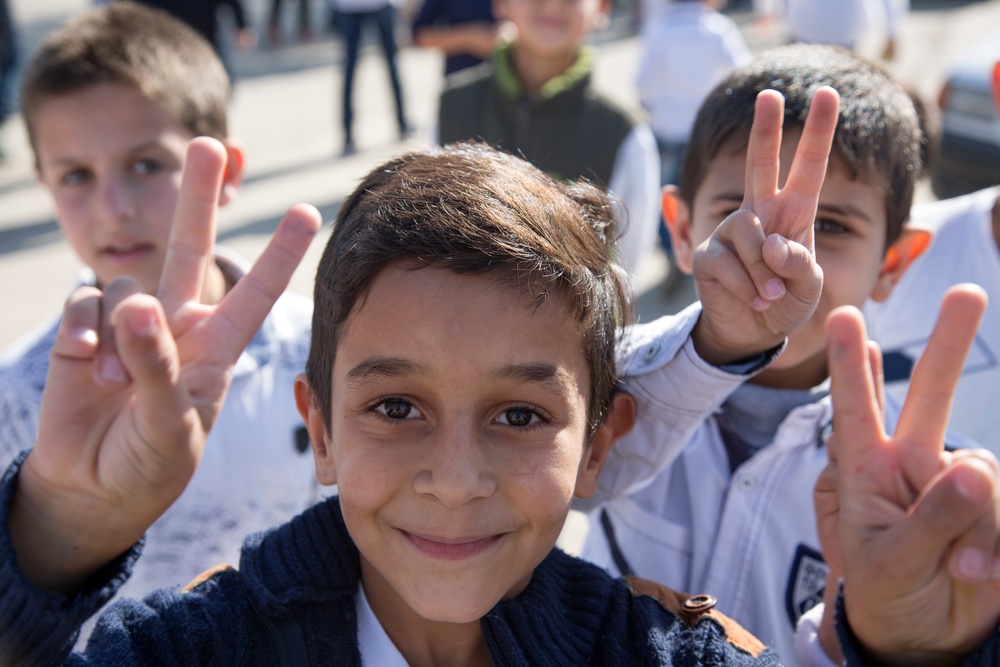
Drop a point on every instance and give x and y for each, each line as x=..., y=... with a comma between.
x=110, y=101
x=460, y=391
x=535, y=100
x=729, y=511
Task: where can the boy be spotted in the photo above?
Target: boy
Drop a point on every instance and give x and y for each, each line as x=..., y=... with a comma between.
x=460, y=390
x=730, y=513
x=535, y=100
x=110, y=102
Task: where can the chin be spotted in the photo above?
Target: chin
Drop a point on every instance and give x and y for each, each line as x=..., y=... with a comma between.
x=440, y=610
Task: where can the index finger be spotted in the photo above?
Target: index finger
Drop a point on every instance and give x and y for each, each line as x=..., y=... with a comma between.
x=857, y=418
x=192, y=233
x=924, y=418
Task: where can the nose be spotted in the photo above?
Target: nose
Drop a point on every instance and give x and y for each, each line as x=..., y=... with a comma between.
x=457, y=469
x=116, y=200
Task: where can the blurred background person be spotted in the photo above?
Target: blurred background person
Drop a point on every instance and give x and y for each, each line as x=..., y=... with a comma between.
x=8, y=68
x=686, y=50
x=464, y=30
x=274, y=32
x=203, y=16
x=847, y=23
x=349, y=17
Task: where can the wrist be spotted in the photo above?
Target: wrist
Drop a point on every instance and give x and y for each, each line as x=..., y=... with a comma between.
x=60, y=541
x=718, y=351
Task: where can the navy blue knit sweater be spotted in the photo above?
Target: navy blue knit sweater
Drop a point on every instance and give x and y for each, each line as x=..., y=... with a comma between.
x=307, y=571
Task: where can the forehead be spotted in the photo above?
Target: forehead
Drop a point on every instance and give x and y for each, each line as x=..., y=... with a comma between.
x=451, y=322
x=103, y=118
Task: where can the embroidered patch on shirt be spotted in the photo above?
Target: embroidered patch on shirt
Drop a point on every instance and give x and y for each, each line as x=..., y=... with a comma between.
x=806, y=583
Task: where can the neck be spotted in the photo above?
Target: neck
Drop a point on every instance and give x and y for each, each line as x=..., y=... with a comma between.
x=422, y=642
x=534, y=71
x=810, y=373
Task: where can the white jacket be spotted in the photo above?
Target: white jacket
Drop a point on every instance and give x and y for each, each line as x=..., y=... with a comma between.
x=748, y=538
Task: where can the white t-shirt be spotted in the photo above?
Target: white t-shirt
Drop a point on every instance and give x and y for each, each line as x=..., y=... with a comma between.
x=377, y=650
x=842, y=22
x=686, y=51
x=963, y=250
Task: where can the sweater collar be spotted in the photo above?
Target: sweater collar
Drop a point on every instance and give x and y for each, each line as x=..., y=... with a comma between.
x=510, y=84
x=313, y=559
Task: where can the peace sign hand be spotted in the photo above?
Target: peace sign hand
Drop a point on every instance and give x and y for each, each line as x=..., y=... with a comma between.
x=134, y=385
x=757, y=276
x=917, y=528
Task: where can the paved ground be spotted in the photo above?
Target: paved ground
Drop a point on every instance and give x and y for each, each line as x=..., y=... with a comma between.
x=284, y=112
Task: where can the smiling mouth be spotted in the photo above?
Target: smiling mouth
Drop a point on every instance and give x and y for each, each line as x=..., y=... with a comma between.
x=451, y=549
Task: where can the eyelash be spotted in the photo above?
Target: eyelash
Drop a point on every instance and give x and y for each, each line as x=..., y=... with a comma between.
x=381, y=401
x=535, y=424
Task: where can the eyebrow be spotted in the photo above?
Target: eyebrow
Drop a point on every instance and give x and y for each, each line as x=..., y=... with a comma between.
x=383, y=367
x=845, y=210
x=390, y=367
x=540, y=373
x=154, y=143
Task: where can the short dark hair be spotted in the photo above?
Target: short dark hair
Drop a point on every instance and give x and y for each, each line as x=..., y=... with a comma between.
x=878, y=132
x=472, y=209
x=132, y=45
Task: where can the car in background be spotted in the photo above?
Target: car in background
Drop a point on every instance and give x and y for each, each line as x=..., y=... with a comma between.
x=968, y=156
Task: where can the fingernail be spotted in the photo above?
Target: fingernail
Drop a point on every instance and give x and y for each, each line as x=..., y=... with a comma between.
x=760, y=304
x=781, y=251
x=82, y=335
x=113, y=371
x=143, y=323
x=774, y=289
x=972, y=564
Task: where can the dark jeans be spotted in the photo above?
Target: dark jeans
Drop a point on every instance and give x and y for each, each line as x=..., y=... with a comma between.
x=8, y=61
x=350, y=28
x=304, y=22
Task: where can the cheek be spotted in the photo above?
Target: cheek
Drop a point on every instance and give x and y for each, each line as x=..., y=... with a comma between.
x=547, y=478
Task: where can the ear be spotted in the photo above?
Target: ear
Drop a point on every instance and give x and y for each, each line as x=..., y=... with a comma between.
x=319, y=435
x=677, y=218
x=619, y=421
x=232, y=179
x=602, y=17
x=910, y=245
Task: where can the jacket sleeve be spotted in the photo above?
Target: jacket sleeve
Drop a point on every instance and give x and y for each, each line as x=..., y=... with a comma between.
x=675, y=391
x=38, y=627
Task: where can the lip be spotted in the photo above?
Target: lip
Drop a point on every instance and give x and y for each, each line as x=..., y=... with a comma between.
x=127, y=253
x=451, y=549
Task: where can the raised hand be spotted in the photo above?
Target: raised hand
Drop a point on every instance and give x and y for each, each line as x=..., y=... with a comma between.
x=757, y=276
x=914, y=529
x=134, y=385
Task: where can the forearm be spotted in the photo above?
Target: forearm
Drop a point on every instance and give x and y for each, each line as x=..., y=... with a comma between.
x=476, y=38
x=675, y=392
